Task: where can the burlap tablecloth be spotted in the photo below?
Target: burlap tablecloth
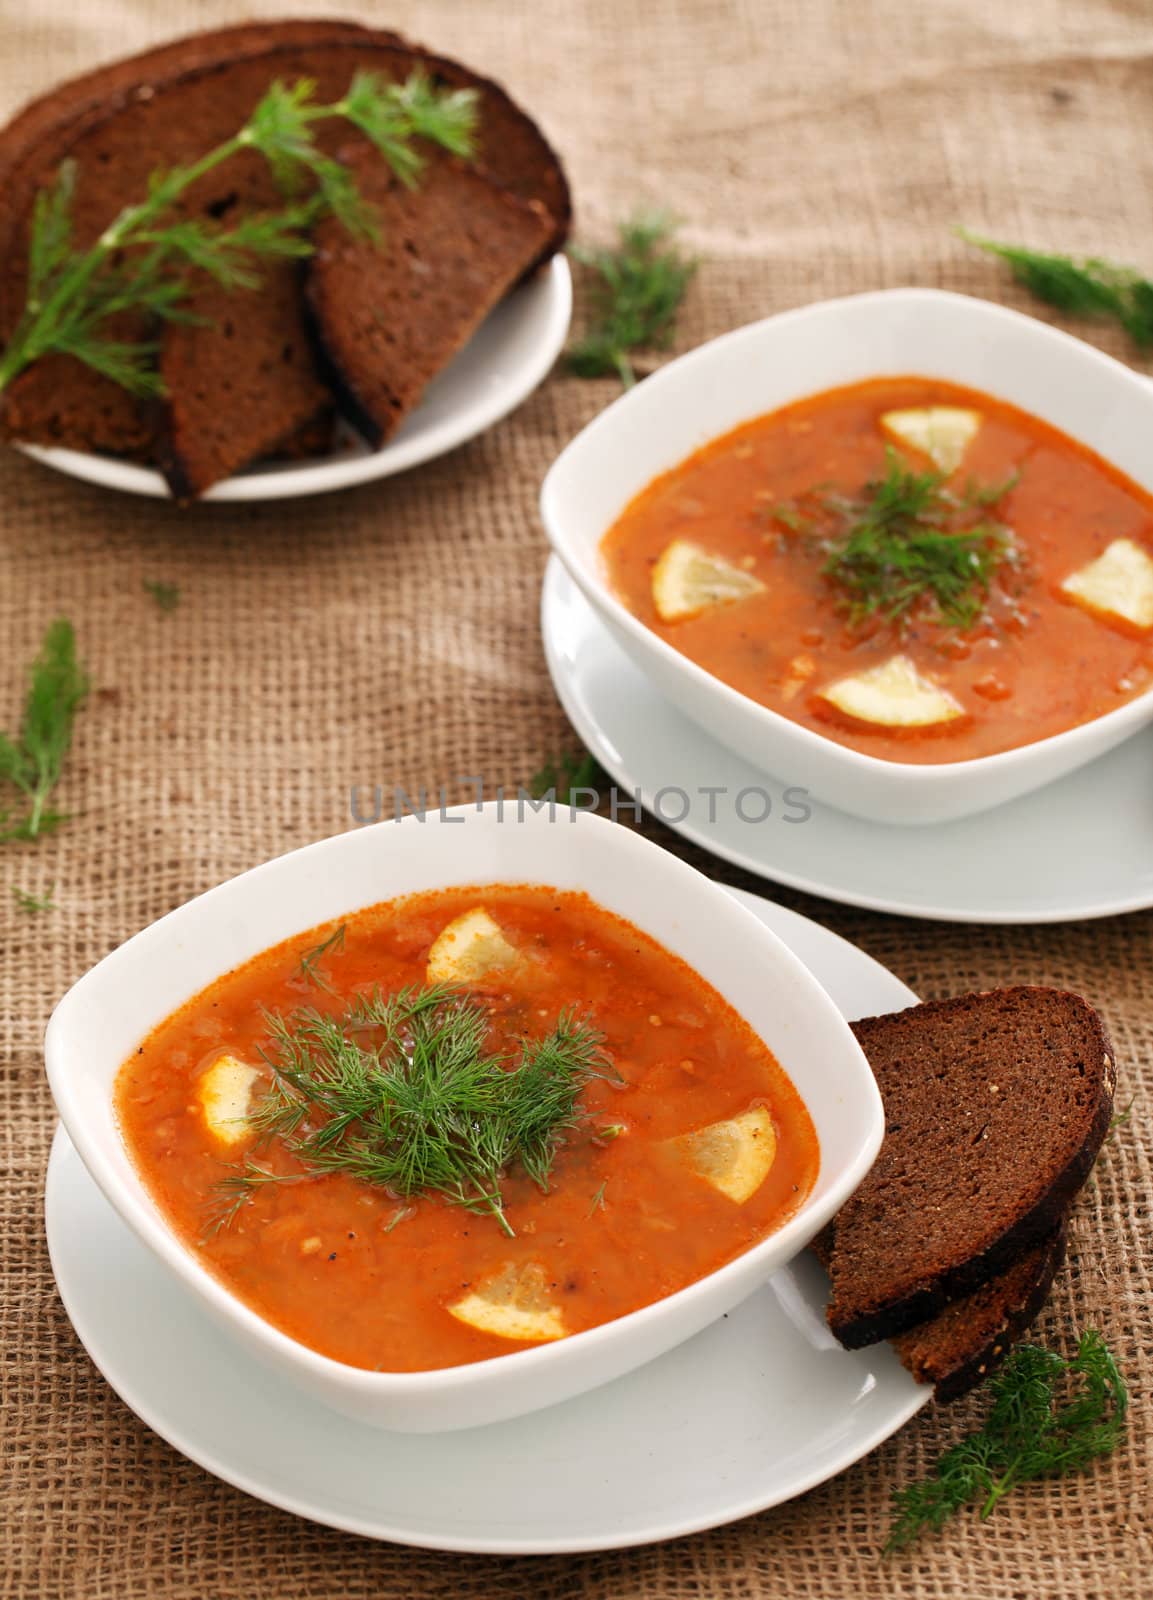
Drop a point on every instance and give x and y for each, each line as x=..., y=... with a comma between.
x=390, y=635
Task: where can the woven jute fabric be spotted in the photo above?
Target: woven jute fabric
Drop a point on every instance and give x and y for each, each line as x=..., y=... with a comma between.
x=390, y=635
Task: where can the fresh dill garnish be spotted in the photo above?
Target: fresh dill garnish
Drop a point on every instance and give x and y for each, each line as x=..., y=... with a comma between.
x=31, y=903
x=637, y=289
x=166, y=595
x=310, y=960
x=598, y=1203
x=1084, y=286
x=577, y=769
x=145, y=258
x=235, y=1191
x=33, y=760
x=905, y=542
x=1050, y=1415
x=399, y=1091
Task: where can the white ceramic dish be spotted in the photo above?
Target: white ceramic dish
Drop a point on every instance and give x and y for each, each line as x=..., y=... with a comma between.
x=104, y=1016
x=995, y=867
x=768, y=364
x=499, y=368
x=759, y=1407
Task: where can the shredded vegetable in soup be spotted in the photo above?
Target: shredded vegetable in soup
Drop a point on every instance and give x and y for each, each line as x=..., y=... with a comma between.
x=915, y=570
x=462, y=1124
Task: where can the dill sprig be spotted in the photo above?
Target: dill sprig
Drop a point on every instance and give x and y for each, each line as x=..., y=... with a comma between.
x=907, y=541
x=146, y=257
x=166, y=595
x=636, y=293
x=235, y=1191
x=309, y=965
x=400, y=1091
x=1084, y=286
x=33, y=760
x=576, y=769
x=30, y=903
x=1050, y=1415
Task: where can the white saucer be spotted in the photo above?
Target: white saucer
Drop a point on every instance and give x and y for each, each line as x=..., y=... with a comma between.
x=757, y=1409
x=1079, y=848
x=500, y=366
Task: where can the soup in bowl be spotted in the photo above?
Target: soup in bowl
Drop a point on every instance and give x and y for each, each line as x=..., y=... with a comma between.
x=450, y=1119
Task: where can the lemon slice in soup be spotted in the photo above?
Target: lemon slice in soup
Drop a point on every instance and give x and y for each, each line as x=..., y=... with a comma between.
x=734, y=1156
x=470, y=947
x=1117, y=586
x=943, y=433
x=893, y=695
x=225, y=1093
x=513, y=1305
x=688, y=580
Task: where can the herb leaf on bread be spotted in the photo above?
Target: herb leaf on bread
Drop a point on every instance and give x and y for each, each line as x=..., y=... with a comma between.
x=143, y=259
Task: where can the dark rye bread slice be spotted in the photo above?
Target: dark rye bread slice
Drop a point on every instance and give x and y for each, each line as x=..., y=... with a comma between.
x=218, y=415
x=995, y=1107
x=174, y=115
x=389, y=315
x=52, y=112
x=959, y=1347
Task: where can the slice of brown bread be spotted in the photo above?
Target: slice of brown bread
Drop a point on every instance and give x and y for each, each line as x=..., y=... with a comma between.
x=959, y=1347
x=388, y=316
x=51, y=112
x=995, y=1107
x=218, y=373
x=175, y=113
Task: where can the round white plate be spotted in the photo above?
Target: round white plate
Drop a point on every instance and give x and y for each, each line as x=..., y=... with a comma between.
x=502, y=364
x=758, y=1408
x=1082, y=847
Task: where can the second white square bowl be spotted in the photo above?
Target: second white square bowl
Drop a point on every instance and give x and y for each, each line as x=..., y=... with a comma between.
x=759, y=368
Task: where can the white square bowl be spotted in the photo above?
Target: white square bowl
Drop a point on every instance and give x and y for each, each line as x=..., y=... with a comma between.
x=769, y=364
x=102, y=1019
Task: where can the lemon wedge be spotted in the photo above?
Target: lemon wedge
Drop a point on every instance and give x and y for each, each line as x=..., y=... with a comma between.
x=734, y=1156
x=225, y=1093
x=893, y=695
x=943, y=433
x=1117, y=586
x=513, y=1305
x=471, y=946
x=688, y=580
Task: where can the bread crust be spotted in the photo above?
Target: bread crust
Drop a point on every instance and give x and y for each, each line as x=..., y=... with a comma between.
x=950, y=1382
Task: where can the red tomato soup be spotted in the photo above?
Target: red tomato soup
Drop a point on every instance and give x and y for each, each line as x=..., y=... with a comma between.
x=685, y=1143
x=915, y=570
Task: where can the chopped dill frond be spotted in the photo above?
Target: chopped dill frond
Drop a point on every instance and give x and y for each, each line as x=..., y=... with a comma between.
x=1084, y=286
x=166, y=595
x=309, y=963
x=905, y=544
x=1050, y=1415
x=399, y=1091
x=636, y=293
x=33, y=760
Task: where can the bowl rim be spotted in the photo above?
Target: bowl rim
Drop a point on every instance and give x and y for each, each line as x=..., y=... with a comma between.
x=135, y=1204
x=600, y=594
